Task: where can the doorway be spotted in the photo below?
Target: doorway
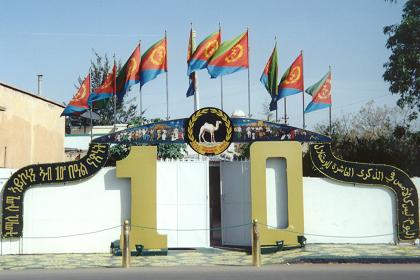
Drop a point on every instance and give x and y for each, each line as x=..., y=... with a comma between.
x=215, y=205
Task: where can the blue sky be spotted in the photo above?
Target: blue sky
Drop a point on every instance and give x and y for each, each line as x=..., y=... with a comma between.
x=56, y=38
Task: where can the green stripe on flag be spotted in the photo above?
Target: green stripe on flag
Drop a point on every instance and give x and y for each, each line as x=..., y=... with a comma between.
x=316, y=87
x=227, y=45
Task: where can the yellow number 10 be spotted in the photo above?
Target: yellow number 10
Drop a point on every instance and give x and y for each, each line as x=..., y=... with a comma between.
x=140, y=166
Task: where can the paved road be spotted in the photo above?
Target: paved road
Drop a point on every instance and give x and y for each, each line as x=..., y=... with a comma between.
x=278, y=272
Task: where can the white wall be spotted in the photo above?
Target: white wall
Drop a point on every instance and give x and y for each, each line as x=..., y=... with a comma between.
x=183, y=202
x=236, y=203
x=99, y=202
x=276, y=193
x=5, y=173
x=77, y=141
x=333, y=212
x=103, y=201
x=338, y=209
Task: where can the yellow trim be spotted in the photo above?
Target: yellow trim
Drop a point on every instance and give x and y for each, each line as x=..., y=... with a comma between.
x=292, y=152
x=140, y=166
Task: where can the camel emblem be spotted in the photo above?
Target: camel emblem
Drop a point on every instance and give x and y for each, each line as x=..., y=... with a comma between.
x=210, y=128
x=201, y=128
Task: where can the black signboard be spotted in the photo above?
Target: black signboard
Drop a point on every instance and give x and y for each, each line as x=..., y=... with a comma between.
x=374, y=174
x=26, y=177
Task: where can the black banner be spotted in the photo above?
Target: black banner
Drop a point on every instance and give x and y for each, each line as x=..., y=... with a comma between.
x=26, y=177
x=374, y=174
x=244, y=131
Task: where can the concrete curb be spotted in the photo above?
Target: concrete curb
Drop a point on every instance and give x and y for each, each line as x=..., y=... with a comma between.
x=359, y=259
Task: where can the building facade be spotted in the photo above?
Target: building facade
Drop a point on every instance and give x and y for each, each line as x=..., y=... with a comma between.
x=31, y=129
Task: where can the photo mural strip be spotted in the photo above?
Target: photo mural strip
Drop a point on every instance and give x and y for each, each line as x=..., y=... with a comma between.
x=48, y=173
x=374, y=174
x=237, y=130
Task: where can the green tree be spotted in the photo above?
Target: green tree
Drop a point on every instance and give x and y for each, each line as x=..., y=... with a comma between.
x=403, y=68
x=270, y=115
x=126, y=113
x=100, y=67
x=164, y=151
x=375, y=134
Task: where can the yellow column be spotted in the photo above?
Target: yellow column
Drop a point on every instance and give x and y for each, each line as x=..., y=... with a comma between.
x=292, y=152
x=140, y=166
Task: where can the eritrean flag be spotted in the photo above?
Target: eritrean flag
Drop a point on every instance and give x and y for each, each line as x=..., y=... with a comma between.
x=153, y=62
x=269, y=78
x=80, y=101
x=203, y=53
x=232, y=56
x=292, y=80
x=129, y=74
x=105, y=91
x=321, y=94
x=191, y=87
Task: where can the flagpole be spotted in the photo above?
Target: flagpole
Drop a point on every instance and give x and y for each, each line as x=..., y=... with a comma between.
x=115, y=99
x=329, y=67
x=285, y=113
x=330, y=122
x=167, y=90
x=303, y=94
x=141, y=97
x=221, y=77
x=277, y=90
x=249, y=81
x=90, y=107
x=221, y=92
x=196, y=97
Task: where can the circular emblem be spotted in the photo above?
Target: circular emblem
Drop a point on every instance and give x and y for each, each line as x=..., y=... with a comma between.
x=211, y=47
x=324, y=93
x=236, y=53
x=158, y=55
x=80, y=94
x=294, y=76
x=209, y=131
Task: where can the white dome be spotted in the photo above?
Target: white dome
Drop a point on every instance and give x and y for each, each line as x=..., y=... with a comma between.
x=238, y=114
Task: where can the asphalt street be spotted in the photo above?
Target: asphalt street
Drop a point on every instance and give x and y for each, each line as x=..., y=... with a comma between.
x=278, y=272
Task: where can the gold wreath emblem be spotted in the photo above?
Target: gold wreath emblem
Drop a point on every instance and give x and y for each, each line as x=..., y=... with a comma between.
x=211, y=48
x=236, y=53
x=325, y=91
x=158, y=55
x=81, y=93
x=200, y=148
x=132, y=67
x=293, y=76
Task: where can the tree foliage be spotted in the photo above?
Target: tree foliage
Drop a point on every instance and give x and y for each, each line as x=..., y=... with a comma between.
x=164, y=151
x=375, y=134
x=403, y=68
x=126, y=113
x=100, y=67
